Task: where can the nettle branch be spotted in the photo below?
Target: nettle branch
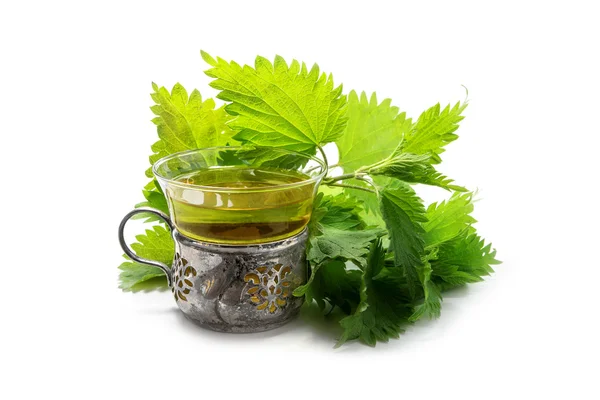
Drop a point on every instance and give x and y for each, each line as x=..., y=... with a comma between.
x=362, y=173
x=342, y=185
x=334, y=181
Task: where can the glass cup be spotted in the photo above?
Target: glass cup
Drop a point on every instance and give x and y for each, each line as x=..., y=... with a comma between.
x=233, y=195
x=238, y=218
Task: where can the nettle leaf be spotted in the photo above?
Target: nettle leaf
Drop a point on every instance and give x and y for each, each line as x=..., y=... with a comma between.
x=336, y=231
x=337, y=234
x=403, y=213
x=392, y=274
x=432, y=296
x=186, y=122
x=280, y=105
x=134, y=274
x=334, y=210
x=434, y=129
x=383, y=308
x=367, y=200
x=266, y=157
x=337, y=243
x=155, y=198
x=342, y=212
x=448, y=219
x=414, y=168
x=464, y=259
x=156, y=244
x=372, y=132
x=332, y=283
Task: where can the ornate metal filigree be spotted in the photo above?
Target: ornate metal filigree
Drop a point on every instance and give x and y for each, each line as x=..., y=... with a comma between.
x=182, y=274
x=269, y=287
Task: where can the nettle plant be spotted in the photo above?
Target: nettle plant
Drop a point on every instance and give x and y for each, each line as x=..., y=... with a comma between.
x=376, y=253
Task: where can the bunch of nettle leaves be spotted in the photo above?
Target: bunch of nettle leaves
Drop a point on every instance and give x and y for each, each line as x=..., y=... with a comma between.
x=375, y=251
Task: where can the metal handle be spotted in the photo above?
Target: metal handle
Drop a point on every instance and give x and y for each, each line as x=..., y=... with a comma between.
x=130, y=252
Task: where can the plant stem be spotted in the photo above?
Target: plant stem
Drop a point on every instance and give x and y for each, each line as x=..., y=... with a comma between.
x=373, y=166
x=370, y=183
x=318, y=166
x=342, y=177
x=312, y=169
x=324, y=156
x=342, y=185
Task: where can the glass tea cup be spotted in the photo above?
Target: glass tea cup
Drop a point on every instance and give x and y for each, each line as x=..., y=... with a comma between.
x=233, y=195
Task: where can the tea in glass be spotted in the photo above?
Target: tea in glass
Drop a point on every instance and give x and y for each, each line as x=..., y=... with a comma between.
x=229, y=195
x=259, y=205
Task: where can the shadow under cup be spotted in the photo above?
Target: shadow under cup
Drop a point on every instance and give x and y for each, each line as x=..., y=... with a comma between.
x=237, y=196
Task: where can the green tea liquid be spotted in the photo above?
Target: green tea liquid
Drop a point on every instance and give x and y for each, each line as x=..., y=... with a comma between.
x=241, y=205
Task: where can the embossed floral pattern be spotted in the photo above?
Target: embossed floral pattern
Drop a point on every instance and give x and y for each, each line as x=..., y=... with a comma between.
x=182, y=278
x=269, y=286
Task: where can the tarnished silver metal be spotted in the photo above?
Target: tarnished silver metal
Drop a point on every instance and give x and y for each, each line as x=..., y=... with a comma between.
x=233, y=288
x=239, y=288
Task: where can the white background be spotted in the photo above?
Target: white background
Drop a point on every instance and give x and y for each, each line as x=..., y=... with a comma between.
x=75, y=137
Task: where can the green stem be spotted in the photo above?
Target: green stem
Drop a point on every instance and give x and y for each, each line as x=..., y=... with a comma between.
x=370, y=183
x=318, y=166
x=342, y=185
x=377, y=164
x=312, y=169
x=353, y=175
x=324, y=156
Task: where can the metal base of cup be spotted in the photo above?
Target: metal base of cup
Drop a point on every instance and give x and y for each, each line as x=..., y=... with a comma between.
x=239, y=288
x=253, y=328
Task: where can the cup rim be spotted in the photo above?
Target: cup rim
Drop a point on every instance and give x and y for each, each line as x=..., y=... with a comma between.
x=174, y=182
